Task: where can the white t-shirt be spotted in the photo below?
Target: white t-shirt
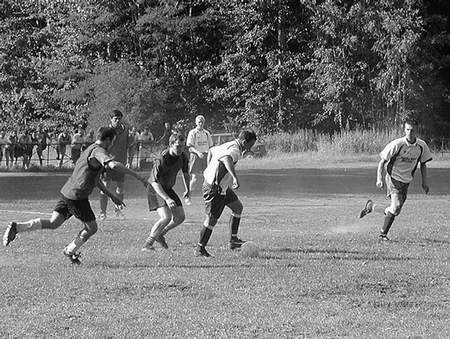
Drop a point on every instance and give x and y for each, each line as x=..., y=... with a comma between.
x=216, y=166
x=403, y=158
x=199, y=139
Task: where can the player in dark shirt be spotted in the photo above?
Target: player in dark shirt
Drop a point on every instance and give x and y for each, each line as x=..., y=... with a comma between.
x=75, y=193
x=161, y=196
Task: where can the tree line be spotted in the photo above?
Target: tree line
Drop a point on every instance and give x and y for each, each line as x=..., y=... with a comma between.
x=273, y=65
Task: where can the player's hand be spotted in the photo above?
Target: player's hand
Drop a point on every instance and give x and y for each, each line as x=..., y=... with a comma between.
x=235, y=184
x=379, y=184
x=171, y=203
x=426, y=189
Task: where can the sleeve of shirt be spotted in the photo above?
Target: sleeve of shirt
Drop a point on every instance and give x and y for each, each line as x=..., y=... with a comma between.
x=102, y=156
x=190, y=139
x=426, y=154
x=156, y=170
x=389, y=151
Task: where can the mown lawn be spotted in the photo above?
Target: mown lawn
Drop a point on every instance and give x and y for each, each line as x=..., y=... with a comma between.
x=320, y=273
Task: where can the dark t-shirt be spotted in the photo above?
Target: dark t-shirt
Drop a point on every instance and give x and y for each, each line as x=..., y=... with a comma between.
x=166, y=168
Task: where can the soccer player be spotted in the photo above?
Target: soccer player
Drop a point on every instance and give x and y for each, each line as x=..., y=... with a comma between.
x=119, y=150
x=219, y=181
x=161, y=196
x=199, y=142
x=75, y=192
x=400, y=159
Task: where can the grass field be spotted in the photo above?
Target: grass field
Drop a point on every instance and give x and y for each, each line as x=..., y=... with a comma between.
x=320, y=273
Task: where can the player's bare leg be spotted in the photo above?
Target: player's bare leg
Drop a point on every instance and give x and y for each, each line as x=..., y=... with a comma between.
x=235, y=220
x=194, y=180
x=178, y=216
x=14, y=228
x=165, y=216
x=119, y=193
x=70, y=251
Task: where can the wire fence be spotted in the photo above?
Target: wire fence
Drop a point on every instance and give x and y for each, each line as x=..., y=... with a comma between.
x=140, y=156
x=54, y=155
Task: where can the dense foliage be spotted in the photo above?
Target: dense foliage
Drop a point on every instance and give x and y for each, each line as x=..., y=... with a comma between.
x=274, y=65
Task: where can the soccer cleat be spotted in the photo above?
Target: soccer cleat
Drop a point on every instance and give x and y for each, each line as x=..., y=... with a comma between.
x=200, y=251
x=236, y=243
x=73, y=257
x=10, y=233
x=148, y=248
x=102, y=216
x=383, y=237
x=162, y=241
x=368, y=208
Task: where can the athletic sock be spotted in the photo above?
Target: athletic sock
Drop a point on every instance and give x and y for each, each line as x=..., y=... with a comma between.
x=234, y=222
x=205, y=234
x=31, y=225
x=75, y=245
x=388, y=220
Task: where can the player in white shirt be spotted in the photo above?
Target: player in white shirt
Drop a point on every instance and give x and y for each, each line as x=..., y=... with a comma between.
x=219, y=181
x=400, y=159
x=199, y=142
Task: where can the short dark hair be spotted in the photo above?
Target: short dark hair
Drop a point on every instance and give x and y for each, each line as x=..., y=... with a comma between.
x=247, y=135
x=410, y=121
x=176, y=136
x=104, y=133
x=116, y=113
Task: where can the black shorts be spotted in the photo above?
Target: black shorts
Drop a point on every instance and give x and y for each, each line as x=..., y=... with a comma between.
x=216, y=202
x=111, y=175
x=155, y=201
x=196, y=164
x=81, y=209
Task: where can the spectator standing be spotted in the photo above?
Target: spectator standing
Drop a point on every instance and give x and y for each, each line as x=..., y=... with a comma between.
x=2, y=145
x=145, y=138
x=76, y=144
x=26, y=148
x=132, y=147
x=164, y=140
x=199, y=142
x=119, y=151
x=40, y=140
x=63, y=141
x=10, y=148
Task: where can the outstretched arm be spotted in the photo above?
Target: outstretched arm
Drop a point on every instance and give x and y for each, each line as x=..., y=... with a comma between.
x=119, y=167
x=119, y=203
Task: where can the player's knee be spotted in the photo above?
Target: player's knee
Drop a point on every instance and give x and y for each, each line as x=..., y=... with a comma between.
x=164, y=220
x=88, y=231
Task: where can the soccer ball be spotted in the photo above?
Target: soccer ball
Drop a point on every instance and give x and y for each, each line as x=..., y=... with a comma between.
x=249, y=250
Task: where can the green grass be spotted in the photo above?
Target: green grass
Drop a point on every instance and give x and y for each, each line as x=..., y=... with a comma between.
x=320, y=273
